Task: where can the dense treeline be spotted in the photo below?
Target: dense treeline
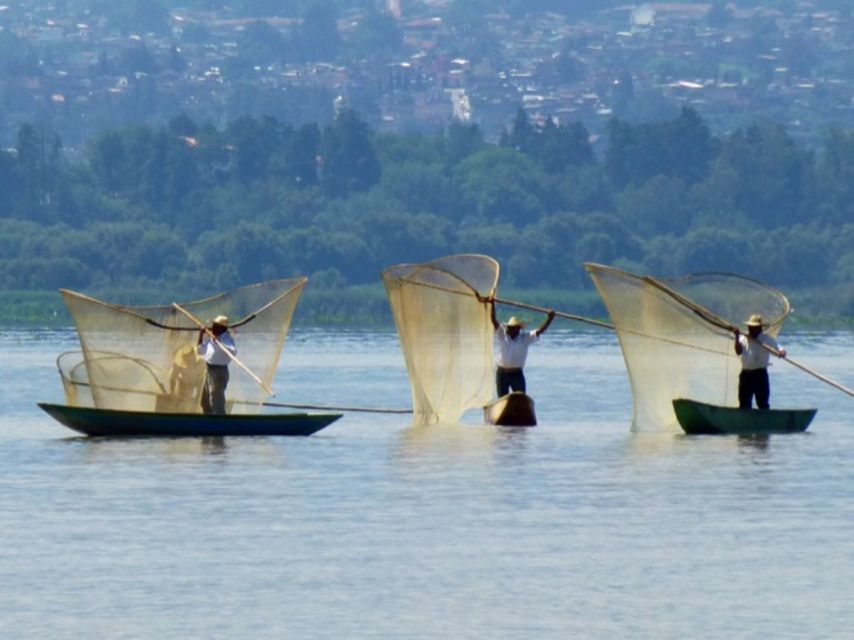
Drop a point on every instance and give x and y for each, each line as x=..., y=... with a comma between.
x=195, y=208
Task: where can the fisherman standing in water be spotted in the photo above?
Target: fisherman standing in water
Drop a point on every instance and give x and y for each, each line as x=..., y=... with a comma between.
x=215, y=354
x=513, y=350
x=753, y=379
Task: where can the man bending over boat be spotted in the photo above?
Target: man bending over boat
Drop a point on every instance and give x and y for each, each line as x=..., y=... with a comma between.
x=215, y=354
x=753, y=379
x=513, y=346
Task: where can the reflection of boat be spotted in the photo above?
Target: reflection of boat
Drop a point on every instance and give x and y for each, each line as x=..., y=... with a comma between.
x=135, y=424
x=516, y=409
x=701, y=418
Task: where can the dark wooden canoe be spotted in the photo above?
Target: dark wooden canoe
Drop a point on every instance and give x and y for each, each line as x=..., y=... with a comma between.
x=701, y=418
x=138, y=424
x=513, y=410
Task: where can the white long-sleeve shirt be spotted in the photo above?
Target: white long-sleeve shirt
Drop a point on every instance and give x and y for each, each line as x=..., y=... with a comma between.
x=513, y=353
x=753, y=354
x=213, y=354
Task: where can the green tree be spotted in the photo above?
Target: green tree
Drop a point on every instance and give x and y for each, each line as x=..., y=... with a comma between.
x=501, y=185
x=657, y=207
x=522, y=135
x=768, y=173
x=349, y=162
x=834, y=176
x=460, y=141
x=10, y=178
x=40, y=164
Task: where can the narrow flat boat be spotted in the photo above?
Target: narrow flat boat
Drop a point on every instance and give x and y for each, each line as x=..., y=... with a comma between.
x=516, y=409
x=141, y=424
x=701, y=418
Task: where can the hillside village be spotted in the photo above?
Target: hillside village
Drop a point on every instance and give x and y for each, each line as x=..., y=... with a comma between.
x=79, y=74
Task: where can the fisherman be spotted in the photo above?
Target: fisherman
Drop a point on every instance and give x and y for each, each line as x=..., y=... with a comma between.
x=216, y=355
x=753, y=379
x=513, y=349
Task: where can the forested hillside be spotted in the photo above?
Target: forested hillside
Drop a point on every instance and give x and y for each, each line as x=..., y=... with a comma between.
x=190, y=208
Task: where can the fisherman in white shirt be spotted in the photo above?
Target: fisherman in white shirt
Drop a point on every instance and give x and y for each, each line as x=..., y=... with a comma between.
x=753, y=379
x=513, y=346
x=216, y=355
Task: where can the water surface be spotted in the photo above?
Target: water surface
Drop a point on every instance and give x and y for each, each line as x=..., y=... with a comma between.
x=375, y=529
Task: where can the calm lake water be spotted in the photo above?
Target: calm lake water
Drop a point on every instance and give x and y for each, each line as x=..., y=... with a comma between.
x=374, y=529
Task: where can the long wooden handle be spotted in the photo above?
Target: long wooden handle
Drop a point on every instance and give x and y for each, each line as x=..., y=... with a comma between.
x=560, y=314
x=716, y=320
x=806, y=369
x=233, y=357
x=512, y=303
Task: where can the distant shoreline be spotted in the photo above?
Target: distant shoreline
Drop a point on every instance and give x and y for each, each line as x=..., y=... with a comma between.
x=367, y=306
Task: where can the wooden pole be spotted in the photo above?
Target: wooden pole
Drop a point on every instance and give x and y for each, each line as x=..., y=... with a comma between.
x=512, y=303
x=716, y=320
x=560, y=314
x=233, y=357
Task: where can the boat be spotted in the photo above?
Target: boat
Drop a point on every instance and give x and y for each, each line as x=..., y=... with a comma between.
x=516, y=409
x=137, y=424
x=702, y=418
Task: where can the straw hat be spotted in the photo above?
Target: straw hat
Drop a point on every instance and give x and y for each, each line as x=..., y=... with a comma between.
x=515, y=322
x=221, y=321
x=754, y=321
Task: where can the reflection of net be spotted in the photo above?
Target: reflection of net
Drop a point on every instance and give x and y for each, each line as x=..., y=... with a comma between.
x=445, y=333
x=144, y=359
x=670, y=351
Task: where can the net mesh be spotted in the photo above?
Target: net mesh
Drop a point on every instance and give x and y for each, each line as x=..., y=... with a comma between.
x=445, y=333
x=673, y=351
x=144, y=358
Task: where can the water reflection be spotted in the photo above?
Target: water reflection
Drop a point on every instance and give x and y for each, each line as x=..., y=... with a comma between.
x=263, y=451
x=759, y=442
x=420, y=440
x=459, y=440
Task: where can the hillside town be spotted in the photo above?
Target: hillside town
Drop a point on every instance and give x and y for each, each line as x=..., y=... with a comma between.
x=78, y=73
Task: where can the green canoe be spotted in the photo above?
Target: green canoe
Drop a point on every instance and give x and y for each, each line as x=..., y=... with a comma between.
x=701, y=418
x=137, y=424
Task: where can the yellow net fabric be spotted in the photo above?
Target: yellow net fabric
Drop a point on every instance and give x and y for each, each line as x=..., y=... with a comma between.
x=144, y=358
x=445, y=333
x=673, y=351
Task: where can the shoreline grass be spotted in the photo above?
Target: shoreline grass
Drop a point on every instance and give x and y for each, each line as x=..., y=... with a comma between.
x=827, y=308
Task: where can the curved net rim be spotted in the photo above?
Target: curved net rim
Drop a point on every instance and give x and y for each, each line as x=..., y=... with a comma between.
x=787, y=307
x=436, y=265
x=139, y=311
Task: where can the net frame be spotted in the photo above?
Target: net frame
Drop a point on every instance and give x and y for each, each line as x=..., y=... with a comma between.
x=445, y=332
x=675, y=347
x=143, y=358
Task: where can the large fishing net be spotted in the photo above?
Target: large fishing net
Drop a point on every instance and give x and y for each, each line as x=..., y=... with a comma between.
x=144, y=358
x=445, y=332
x=675, y=336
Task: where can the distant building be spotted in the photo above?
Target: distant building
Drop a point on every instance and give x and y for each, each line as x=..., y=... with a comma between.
x=643, y=16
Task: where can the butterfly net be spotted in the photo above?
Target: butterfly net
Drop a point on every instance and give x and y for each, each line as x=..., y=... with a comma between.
x=445, y=333
x=674, y=335
x=144, y=358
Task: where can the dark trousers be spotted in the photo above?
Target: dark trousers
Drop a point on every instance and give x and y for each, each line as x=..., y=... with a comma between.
x=505, y=379
x=754, y=382
x=213, y=395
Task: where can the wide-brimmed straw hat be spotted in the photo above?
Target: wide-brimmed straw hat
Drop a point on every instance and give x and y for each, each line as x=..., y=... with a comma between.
x=515, y=322
x=754, y=321
x=221, y=321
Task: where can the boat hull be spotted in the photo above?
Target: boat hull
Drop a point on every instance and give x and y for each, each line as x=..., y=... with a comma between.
x=516, y=409
x=139, y=424
x=701, y=418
